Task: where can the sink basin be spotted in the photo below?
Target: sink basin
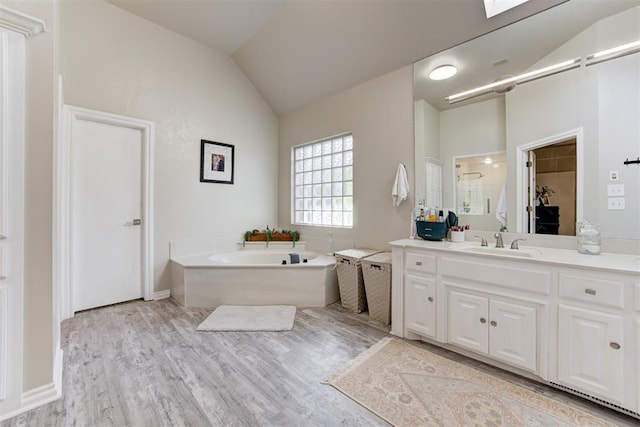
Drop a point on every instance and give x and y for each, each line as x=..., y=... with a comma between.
x=522, y=253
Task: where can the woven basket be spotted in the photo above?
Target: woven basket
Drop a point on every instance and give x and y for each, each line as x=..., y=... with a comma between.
x=350, y=280
x=376, y=271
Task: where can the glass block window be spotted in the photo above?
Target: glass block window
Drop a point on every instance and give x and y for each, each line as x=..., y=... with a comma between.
x=323, y=182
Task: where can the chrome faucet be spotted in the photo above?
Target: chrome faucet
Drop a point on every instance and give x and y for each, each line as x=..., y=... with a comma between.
x=499, y=242
x=484, y=241
x=514, y=244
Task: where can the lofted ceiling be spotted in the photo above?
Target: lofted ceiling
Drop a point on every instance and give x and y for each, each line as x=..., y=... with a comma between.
x=299, y=51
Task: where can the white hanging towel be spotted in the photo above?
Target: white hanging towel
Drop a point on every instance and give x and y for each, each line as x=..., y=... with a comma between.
x=501, y=209
x=400, y=189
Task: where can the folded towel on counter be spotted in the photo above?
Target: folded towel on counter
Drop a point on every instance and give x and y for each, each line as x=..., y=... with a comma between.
x=400, y=189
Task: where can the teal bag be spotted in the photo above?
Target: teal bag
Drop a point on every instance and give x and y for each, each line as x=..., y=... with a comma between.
x=436, y=231
x=428, y=230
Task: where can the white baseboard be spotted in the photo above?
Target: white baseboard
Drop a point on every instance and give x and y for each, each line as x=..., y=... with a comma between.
x=33, y=398
x=57, y=370
x=162, y=294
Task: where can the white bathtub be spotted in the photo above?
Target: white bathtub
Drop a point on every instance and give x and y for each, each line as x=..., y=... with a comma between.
x=254, y=277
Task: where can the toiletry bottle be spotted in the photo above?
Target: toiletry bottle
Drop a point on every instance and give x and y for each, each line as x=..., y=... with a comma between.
x=440, y=216
x=432, y=215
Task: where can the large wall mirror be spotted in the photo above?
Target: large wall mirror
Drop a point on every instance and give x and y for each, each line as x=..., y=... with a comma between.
x=552, y=105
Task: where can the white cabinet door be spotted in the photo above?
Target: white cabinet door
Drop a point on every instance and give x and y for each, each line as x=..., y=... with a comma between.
x=590, y=352
x=513, y=334
x=420, y=305
x=638, y=352
x=467, y=321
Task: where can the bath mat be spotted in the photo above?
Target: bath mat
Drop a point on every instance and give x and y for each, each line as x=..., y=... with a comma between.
x=409, y=386
x=250, y=318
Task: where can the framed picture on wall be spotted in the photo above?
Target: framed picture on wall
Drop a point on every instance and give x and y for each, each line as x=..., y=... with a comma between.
x=216, y=162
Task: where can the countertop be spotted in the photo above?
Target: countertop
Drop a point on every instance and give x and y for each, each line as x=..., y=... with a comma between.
x=571, y=258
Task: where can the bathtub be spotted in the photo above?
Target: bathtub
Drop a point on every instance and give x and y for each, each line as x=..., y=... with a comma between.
x=254, y=277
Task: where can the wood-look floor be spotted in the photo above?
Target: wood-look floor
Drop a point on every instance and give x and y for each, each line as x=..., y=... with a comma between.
x=144, y=364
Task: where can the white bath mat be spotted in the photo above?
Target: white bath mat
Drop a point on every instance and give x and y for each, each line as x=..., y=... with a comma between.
x=250, y=318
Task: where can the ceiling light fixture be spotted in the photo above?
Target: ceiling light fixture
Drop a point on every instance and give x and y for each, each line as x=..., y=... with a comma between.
x=615, y=52
x=443, y=72
x=522, y=78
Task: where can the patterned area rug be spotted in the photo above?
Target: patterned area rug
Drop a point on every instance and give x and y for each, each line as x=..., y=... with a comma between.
x=408, y=386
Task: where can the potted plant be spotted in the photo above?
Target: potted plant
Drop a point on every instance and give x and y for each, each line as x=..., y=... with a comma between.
x=542, y=195
x=269, y=235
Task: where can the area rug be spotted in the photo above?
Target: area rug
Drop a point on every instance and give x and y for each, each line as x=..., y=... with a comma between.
x=408, y=386
x=250, y=318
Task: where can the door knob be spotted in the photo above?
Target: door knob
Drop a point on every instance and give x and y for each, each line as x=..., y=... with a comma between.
x=483, y=320
x=493, y=323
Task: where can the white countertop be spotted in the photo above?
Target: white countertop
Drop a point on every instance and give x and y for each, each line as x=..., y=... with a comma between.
x=572, y=258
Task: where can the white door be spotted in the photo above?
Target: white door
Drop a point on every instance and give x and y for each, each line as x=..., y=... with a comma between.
x=106, y=203
x=591, y=352
x=513, y=334
x=468, y=321
x=420, y=306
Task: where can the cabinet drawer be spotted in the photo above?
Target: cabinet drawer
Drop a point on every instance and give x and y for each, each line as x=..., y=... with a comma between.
x=602, y=292
x=421, y=263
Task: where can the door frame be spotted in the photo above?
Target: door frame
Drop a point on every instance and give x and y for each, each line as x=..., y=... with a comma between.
x=521, y=173
x=62, y=200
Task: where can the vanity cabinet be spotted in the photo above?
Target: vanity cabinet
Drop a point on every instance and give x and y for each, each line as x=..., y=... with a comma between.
x=591, y=352
x=591, y=338
x=420, y=304
x=503, y=330
x=420, y=294
x=568, y=320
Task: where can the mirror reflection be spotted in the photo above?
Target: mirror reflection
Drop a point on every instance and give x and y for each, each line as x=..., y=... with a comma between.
x=480, y=185
x=545, y=100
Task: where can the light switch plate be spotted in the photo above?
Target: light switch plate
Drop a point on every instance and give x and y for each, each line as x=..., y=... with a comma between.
x=615, y=190
x=615, y=203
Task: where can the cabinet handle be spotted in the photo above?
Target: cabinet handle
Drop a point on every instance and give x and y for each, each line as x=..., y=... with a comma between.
x=418, y=263
x=430, y=299
x=483, y=320
x=614, y=345
x=493, y=323
x=590, y=291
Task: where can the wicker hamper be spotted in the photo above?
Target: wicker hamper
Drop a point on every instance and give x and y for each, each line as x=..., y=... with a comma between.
x=376, y=271
x=350, y=281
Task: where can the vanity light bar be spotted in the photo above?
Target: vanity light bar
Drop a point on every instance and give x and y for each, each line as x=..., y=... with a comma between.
x=615, y=52
x=522, y=78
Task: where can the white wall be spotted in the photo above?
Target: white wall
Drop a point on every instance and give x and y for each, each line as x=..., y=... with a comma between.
x=117, y=62
x=38, y=328
x=380, y=115
x=469, y=130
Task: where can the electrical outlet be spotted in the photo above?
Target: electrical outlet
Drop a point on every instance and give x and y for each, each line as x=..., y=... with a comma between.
x=613, y=175
x=615, y=190
x=615, y=203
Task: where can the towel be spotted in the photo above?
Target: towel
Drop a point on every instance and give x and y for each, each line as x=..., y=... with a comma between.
x=400, y=189
x=501, y=209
